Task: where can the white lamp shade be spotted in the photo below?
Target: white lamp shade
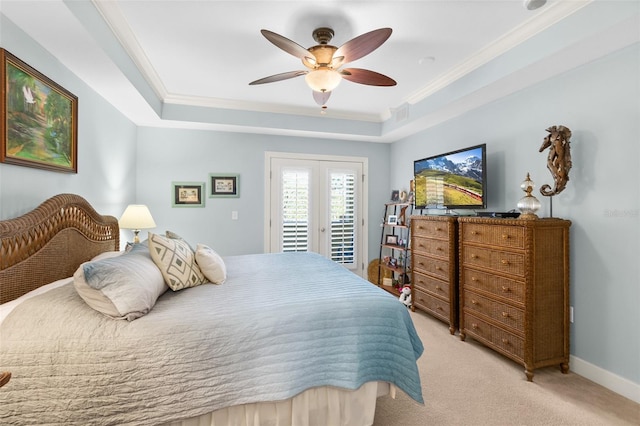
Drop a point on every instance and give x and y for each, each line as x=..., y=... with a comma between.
x=136, y=216
x=323, y=80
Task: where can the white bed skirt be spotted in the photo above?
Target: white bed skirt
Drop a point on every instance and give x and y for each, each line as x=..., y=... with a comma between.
x=314, y=407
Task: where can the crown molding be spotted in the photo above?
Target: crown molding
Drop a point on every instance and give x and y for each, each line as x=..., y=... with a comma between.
x=550, y=15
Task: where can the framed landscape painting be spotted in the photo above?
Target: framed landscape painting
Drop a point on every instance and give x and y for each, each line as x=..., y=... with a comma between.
x=39, y=119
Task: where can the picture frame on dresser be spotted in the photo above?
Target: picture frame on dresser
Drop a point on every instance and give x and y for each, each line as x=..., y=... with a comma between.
x=39, y=119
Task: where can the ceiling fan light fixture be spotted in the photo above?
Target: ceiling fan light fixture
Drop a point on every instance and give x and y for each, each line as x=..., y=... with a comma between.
x=323, y=80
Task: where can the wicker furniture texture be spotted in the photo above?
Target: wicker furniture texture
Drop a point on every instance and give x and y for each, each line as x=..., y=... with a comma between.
x=435, y=270
x=514, y=288
x=31, y=245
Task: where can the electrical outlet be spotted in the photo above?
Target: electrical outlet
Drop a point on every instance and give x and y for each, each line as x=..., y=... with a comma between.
x=571, y=314
x=234, y=215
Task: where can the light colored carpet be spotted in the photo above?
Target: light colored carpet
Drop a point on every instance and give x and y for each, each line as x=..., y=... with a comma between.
x=464, y=383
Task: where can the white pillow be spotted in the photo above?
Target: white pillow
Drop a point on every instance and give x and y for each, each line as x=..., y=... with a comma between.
x=176, y=262
x=211, y=264
x=122, y=287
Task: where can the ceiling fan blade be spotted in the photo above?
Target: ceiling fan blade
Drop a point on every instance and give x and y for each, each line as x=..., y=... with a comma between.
x=287, y=45
x=371, y=78
x=362, y=45
x=278, y=77
x=321, y=98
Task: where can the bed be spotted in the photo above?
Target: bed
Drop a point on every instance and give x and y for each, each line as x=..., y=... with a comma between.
x=286, y=338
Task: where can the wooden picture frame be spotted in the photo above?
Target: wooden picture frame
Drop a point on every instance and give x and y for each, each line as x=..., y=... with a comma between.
x=224, y=185
x=391, y=240
x=39, y=119
x=187, y=194
x=392, y=219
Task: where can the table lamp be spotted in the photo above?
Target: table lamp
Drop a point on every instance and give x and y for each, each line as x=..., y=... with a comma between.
x=136, y=217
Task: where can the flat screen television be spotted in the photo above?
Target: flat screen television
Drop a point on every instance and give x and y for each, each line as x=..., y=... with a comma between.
x=453, y=180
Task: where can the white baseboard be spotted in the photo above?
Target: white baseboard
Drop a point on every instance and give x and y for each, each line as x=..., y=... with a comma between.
x=609, y=380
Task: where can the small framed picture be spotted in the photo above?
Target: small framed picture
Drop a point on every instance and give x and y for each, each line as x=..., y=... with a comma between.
x=187, y=194
x=395, y=195
x=393, y=262
x=391, y=240
x=392, y=219
x=224, y=185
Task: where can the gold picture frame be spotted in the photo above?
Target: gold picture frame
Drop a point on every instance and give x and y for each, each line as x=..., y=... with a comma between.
x=39, y=119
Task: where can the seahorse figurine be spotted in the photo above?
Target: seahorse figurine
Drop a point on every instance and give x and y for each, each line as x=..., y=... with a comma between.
x=559, y=159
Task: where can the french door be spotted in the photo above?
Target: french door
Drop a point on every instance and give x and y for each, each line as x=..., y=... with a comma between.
x=315, y=204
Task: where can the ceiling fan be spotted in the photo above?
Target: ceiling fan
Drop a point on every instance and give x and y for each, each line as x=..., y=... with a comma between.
x=324, y=61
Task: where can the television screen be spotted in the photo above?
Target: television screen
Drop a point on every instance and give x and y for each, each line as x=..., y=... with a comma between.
x=454, y=180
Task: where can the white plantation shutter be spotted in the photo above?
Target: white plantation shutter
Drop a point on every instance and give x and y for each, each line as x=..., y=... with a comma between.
x=315, y=205
x=295, y=210
x=343, y=214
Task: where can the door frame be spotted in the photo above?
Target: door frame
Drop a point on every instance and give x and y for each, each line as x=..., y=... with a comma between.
x=364, y=161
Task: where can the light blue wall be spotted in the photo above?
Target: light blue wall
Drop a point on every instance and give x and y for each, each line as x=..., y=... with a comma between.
x=600, y=103
x=177, y=155
x=106, y=144
x=120, y=164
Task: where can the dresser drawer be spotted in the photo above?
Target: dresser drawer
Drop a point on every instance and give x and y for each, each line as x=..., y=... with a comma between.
x=501, y=287
x=430, y=284
x=495, y=235
x=430, y=265
x=431, y=229
x=430, y=246
x=503, y=341
x=497, y=260
x=431, y=304
x=498, y=311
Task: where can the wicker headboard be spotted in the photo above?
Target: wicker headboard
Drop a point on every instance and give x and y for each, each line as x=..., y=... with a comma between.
x=50, y=242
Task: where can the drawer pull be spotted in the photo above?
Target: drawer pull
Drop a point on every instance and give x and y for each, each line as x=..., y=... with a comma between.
x=505, y=262
x=438, y=229
x=438, y=248
x=474, y=302
x=474, y=326
x=505, y=289
x=474, y=232
x=474, y=279
x=505, y=341
x=474, y=256
x=505, y=236
x=505, y=314
x=438, y=268
x=437, y=287
x=439, y=308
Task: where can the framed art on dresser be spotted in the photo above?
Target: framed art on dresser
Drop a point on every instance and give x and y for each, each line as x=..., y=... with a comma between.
x=39, y=119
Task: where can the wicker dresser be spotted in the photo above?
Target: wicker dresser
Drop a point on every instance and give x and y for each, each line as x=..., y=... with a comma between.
x=434, y=267
x=514, y=288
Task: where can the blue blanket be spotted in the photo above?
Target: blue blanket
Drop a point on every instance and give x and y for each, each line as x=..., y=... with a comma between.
x=280, y=324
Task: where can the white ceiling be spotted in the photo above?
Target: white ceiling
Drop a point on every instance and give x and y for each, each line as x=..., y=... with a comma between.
x=182, y=63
